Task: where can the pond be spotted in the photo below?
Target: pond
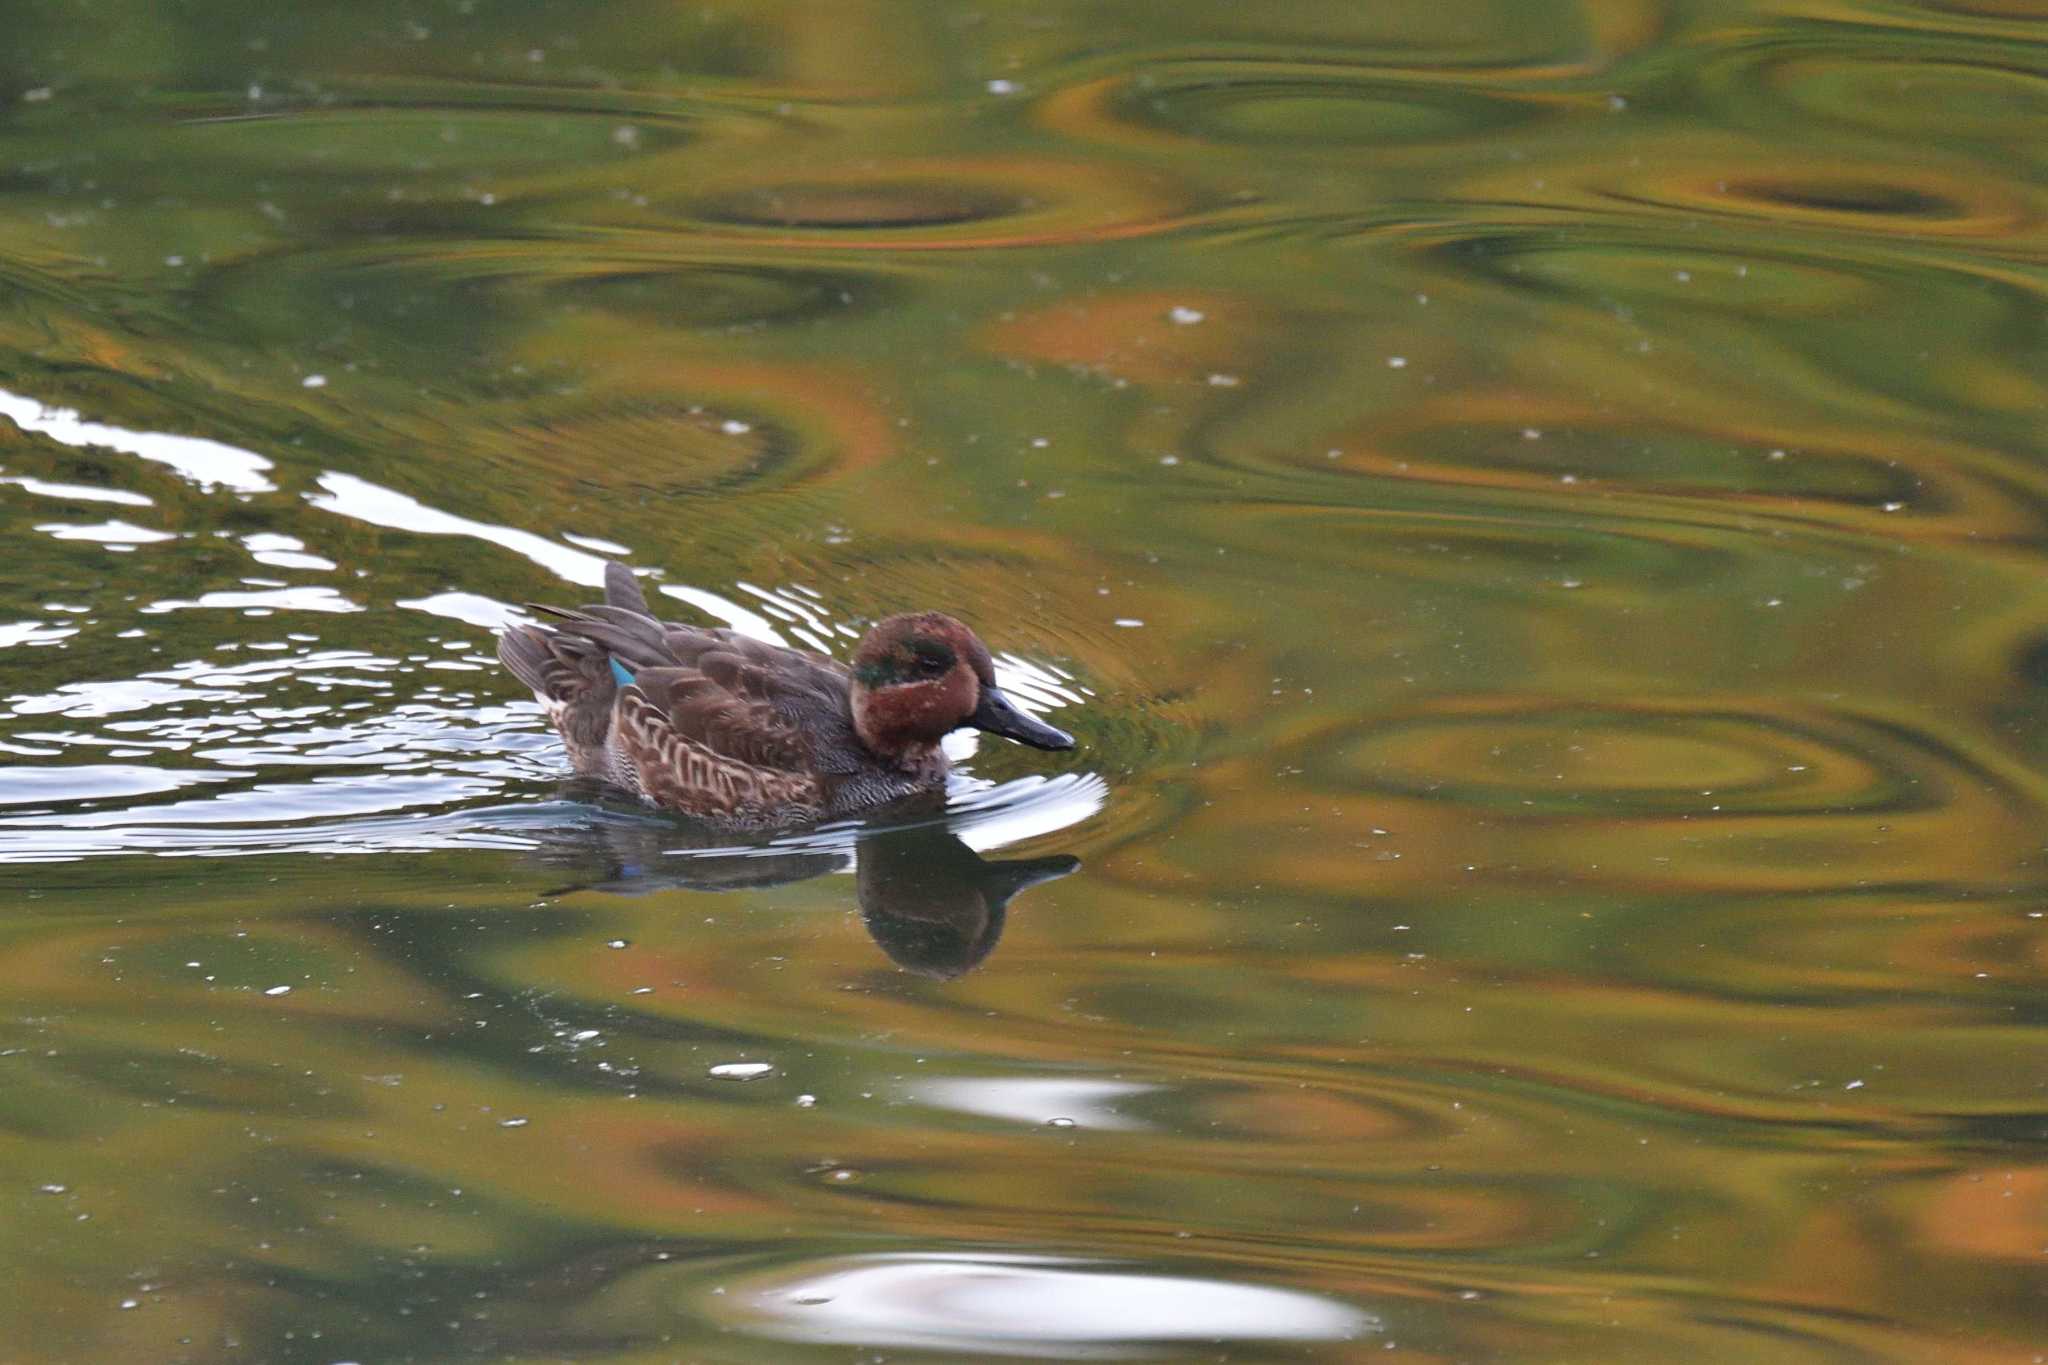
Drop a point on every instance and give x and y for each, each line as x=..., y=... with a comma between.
x=1534, y=512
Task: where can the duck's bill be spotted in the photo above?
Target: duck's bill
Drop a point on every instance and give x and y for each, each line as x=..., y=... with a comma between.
x=998, y=715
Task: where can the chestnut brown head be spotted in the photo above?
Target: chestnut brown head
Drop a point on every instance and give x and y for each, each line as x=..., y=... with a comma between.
x=918, y=677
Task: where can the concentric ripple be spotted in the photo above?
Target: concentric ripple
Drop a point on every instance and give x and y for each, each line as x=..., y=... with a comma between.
x=957, y=204
x=1311, y=110
x=1646, y=758
x=1889, y=87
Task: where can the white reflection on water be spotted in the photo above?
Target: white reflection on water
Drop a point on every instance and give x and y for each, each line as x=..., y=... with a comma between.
x=206, y=463
x=33, y=633
x=472, y=609
x=753, y=625
x=106, y=532
x=279, y=803
x=807, y=620
x=360, y=500
x=87, y=700
x=1031, y=1306
x=84, y=781
x=988, y=815
x=1080, y=1101
x=984, y=815
x=283, y=552
x=265, y=601
x=78, y=492
x=603, y=547
x=348, y=496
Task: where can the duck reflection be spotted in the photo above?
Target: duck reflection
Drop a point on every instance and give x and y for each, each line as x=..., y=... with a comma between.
x=929, y=901
x=936, y=906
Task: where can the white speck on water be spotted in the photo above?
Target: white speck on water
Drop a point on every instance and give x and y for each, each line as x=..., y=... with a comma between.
x=1169, y=460
x=741, y=1071
x=1000, y=86
x=1397, y=362
x=615, y=943
x=1894, y=507
x=1853, y=1085
x=1616, y=103
x=37, y=95
x=1129, y=622
x=1224, y=381
x=626, y=135
x=1532, y=434
x=806, y=1101
x=1185, y=316
x=279, y=990
x=1060, y=1123
x=583, y=1035
x=131, y=1303
x=513, y=1123
x=1775, y=455
x=733, y=426
x=52, y=1189
x=313, y=381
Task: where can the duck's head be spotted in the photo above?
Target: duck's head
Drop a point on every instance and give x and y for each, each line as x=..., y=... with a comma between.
x=918, y=677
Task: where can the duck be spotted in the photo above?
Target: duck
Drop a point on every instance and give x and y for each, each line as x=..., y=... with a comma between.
x=742, y=734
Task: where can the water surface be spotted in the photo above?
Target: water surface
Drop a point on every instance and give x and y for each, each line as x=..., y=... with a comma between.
x=1534, y=511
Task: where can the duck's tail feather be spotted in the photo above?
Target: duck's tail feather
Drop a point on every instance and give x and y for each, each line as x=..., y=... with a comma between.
x=572, y=678
x=621, y=589
x=523, y=650
x=634, y=638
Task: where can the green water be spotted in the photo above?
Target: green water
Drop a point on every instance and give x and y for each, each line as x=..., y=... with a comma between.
x=1536, y=512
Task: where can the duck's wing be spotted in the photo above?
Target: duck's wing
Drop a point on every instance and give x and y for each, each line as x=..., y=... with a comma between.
x=698, y=746
x=807, y=693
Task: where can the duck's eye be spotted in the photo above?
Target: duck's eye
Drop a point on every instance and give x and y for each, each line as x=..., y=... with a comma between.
x=930, y=658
